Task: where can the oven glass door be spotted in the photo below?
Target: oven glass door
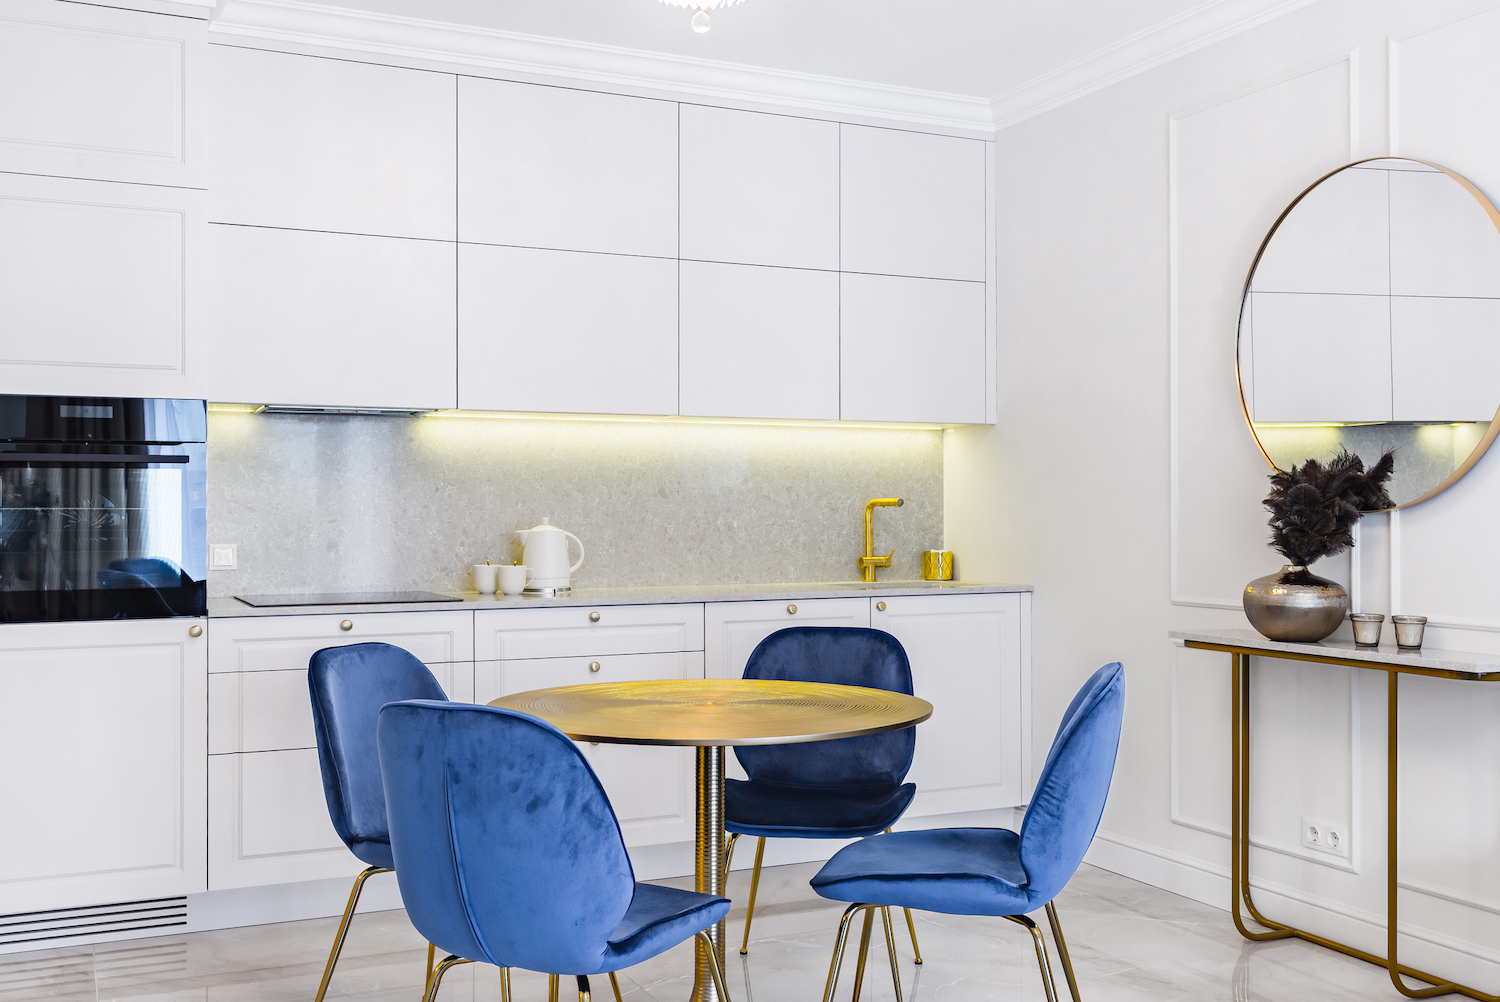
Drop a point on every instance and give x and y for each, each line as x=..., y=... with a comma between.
x=102, y=532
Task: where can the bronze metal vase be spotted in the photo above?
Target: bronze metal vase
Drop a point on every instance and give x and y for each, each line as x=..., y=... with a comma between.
x=1295, y=605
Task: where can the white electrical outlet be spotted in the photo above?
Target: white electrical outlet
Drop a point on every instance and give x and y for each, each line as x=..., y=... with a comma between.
x=1325, y=836
x=223, y=556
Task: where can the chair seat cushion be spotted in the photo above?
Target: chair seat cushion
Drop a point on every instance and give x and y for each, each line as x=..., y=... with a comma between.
x=960, y=871
x=775, y=811
x=373, y=852
x=658, y=919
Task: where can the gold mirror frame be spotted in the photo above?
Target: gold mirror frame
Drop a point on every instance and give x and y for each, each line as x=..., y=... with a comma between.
x=1489, y=436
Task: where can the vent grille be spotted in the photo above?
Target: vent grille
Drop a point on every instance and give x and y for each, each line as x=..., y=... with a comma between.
x=100, y=920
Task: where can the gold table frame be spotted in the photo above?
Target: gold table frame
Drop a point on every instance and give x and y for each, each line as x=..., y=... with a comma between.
x=1239, y=865
x=709, y=715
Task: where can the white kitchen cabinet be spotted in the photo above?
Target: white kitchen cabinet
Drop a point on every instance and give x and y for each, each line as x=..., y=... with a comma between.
x=312, y=143
x=542, y=330
x=268, y=817
x=573, y=631
x=912, y=204
x=732, y=630
x=759, y=188
x=759, y=342
x=111, y=95
x=100, y=288
x=970, y=658
x=651, y=788
x=912, y=349
x=330, y=319
x=103, y=743
x=566, y=169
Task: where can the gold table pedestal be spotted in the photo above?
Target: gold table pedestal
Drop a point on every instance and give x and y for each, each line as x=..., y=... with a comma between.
x=710, y=714
x=1239, y=865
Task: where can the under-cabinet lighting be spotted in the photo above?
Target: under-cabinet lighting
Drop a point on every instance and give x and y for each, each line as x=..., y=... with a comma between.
x=683, y=420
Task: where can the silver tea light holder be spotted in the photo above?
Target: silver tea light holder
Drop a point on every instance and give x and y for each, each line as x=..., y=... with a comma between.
x=1366, y=628
x=1409, y=631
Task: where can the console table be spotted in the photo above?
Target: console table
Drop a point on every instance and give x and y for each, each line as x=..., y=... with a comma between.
x=1241, y=645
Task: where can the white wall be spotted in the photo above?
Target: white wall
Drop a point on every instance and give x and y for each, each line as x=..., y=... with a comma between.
x=1122, y=481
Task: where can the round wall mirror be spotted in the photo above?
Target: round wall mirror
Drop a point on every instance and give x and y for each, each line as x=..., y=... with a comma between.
x=1371, y=321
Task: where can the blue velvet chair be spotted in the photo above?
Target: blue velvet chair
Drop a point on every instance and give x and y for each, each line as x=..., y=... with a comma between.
x=349, y=685
x=508, y=852
x=994, y=871
x=828, y=789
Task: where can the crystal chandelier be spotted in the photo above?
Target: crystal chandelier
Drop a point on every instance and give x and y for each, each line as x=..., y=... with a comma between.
x=701, y=22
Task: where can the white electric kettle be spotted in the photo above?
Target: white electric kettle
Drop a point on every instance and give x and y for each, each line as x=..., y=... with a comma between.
x=545, y=551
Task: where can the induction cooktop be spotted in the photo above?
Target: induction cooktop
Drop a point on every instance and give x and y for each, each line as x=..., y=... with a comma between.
x=346, y=598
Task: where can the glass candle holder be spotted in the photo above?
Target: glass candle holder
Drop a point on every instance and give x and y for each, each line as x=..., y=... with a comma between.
x=1409, y=631
x=1366, y=628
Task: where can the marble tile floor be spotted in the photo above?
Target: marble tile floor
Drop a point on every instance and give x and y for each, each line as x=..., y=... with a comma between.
x=1130, y=942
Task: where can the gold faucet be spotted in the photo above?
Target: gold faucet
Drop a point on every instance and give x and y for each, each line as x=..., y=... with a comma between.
x=870, y=561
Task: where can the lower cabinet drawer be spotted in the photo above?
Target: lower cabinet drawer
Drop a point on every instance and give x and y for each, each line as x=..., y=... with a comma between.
x=268, y=821
x=271, y=710
x=649, y=787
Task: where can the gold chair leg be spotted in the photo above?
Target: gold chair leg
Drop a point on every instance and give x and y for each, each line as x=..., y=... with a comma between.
x=714, y=968
x=838, y=953
x=584, y=994
x=431, y=954
x=911, y=927
x=437, y=975
x=552, y=988
x=864, y=951
x=505, y=984
x=338, y=940
x=1062, y=949
x=890, y=948
x=614, y=983
x=728, y=856
x=760, y=850
x=1048, y=985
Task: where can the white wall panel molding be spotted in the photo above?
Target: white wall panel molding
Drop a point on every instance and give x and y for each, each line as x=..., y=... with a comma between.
x=1193, y=29
x=1234, y=233
x=1393, y=57
x=534, y=57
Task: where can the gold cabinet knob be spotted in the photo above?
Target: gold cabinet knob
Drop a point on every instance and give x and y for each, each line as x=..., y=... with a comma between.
x=791, y=610
x=347, y=625
x=880, y=606
x=195, y=631
x=593, y=617
x=593, y=666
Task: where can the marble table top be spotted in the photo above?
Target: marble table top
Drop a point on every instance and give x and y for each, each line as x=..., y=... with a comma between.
x=1464, y=663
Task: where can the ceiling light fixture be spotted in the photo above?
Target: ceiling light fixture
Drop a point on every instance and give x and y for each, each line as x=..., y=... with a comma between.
x=701, y=22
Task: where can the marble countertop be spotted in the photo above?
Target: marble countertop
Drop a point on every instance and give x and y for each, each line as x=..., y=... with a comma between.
x=221, y=608
x=1463, y=662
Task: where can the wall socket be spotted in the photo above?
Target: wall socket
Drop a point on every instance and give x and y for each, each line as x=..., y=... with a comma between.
x=223, y=556
x=1325, y=836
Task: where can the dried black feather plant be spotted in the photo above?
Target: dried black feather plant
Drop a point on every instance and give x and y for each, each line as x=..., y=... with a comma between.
x=1313, y=506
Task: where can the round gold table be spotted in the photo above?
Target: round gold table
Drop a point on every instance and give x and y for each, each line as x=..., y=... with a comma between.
x=711, y=714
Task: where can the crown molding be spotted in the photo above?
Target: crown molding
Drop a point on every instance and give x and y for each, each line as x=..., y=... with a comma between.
x=414, y=40
x=1189, y=31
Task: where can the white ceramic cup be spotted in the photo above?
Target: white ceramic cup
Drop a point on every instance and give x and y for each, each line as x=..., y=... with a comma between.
x=484, y=578
x=513, y=578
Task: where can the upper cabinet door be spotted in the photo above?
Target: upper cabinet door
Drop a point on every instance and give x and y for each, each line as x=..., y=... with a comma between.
x=566, y=169
x=310, y=143
x=912, y=349
x=112, y=95
x=759, y=189
x=544, y=330
x=912, y=204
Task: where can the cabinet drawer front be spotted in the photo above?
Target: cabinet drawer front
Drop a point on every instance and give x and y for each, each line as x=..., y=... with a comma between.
x=733, y=629
x=271, y=710
x=508, y=634
x=276, y=643
x=650, y=788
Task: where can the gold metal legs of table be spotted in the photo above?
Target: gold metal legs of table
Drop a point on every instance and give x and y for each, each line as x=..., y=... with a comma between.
x=1239, y=863
x=708, y=949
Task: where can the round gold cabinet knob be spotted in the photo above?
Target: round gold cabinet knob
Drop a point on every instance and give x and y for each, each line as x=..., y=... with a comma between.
x=593, y=666
x=347, y=625
x=195, y=631
x=593, y=617
x=791, y=610
x=880, y=606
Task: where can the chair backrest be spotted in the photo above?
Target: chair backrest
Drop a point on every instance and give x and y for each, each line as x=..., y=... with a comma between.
x=844, y=656
x=1070, y=793
x=506, y=847
x=349, y=685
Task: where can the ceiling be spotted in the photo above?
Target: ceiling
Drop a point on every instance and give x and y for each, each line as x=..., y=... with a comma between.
x=978, y=48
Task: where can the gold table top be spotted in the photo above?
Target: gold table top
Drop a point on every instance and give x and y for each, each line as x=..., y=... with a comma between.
x=709, y=712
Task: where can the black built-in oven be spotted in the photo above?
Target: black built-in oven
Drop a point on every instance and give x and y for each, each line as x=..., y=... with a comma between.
x=103, y=508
